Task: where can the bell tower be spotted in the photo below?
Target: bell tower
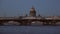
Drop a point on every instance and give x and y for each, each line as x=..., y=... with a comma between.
x=32, y=11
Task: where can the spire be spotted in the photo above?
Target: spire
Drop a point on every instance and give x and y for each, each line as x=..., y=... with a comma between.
x=25, y=13
x=18, y=11
x=5, y=14
x=32, y=7
x=39, y=13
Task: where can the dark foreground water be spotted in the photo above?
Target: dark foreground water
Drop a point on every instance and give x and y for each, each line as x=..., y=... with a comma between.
x=29, y=29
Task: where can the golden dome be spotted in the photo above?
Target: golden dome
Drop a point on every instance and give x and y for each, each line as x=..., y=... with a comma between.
x=32, y=9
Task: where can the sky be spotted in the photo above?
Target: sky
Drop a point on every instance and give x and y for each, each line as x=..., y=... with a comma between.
x=19, y=7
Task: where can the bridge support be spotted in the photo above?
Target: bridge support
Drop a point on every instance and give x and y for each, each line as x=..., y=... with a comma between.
x=53, y=23
x=49, y=23
x=2, y=22
x=25, y=23
x=44, y=23
x=29, y=22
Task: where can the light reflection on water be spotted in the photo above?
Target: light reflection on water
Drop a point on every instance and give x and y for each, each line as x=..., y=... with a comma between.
x=29, y=29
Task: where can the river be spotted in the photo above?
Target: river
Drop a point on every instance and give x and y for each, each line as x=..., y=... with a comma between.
x=29, y=29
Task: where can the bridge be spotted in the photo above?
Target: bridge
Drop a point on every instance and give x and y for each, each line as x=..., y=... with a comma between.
x=28, y=20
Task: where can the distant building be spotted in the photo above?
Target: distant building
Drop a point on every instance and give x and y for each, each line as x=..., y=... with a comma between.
x=32, y=12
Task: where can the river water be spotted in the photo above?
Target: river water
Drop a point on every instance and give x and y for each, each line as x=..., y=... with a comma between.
x=29, y=29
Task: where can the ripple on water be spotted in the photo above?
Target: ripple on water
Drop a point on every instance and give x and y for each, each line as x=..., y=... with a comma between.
x=30, y=29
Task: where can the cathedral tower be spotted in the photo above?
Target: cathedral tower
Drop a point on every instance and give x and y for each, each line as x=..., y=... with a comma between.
x=32, y=12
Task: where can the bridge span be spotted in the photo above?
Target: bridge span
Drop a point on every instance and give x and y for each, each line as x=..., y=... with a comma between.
x=29, y=20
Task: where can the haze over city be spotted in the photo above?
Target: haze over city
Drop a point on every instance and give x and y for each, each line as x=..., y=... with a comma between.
x=18, y=7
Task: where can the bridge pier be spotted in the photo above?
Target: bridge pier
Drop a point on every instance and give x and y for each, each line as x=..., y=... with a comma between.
x=46, y=23
x=49, y=23
x=25, y=23
x=29, y=22
x=53, y=23
x=2, y=22
x=20, y=23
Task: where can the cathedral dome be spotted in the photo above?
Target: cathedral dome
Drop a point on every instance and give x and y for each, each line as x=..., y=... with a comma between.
x=32, y=11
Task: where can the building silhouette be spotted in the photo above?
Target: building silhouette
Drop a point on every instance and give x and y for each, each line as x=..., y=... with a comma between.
x=32, y=11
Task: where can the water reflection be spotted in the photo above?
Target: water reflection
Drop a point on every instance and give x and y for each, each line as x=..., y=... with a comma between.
x=11, y=23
